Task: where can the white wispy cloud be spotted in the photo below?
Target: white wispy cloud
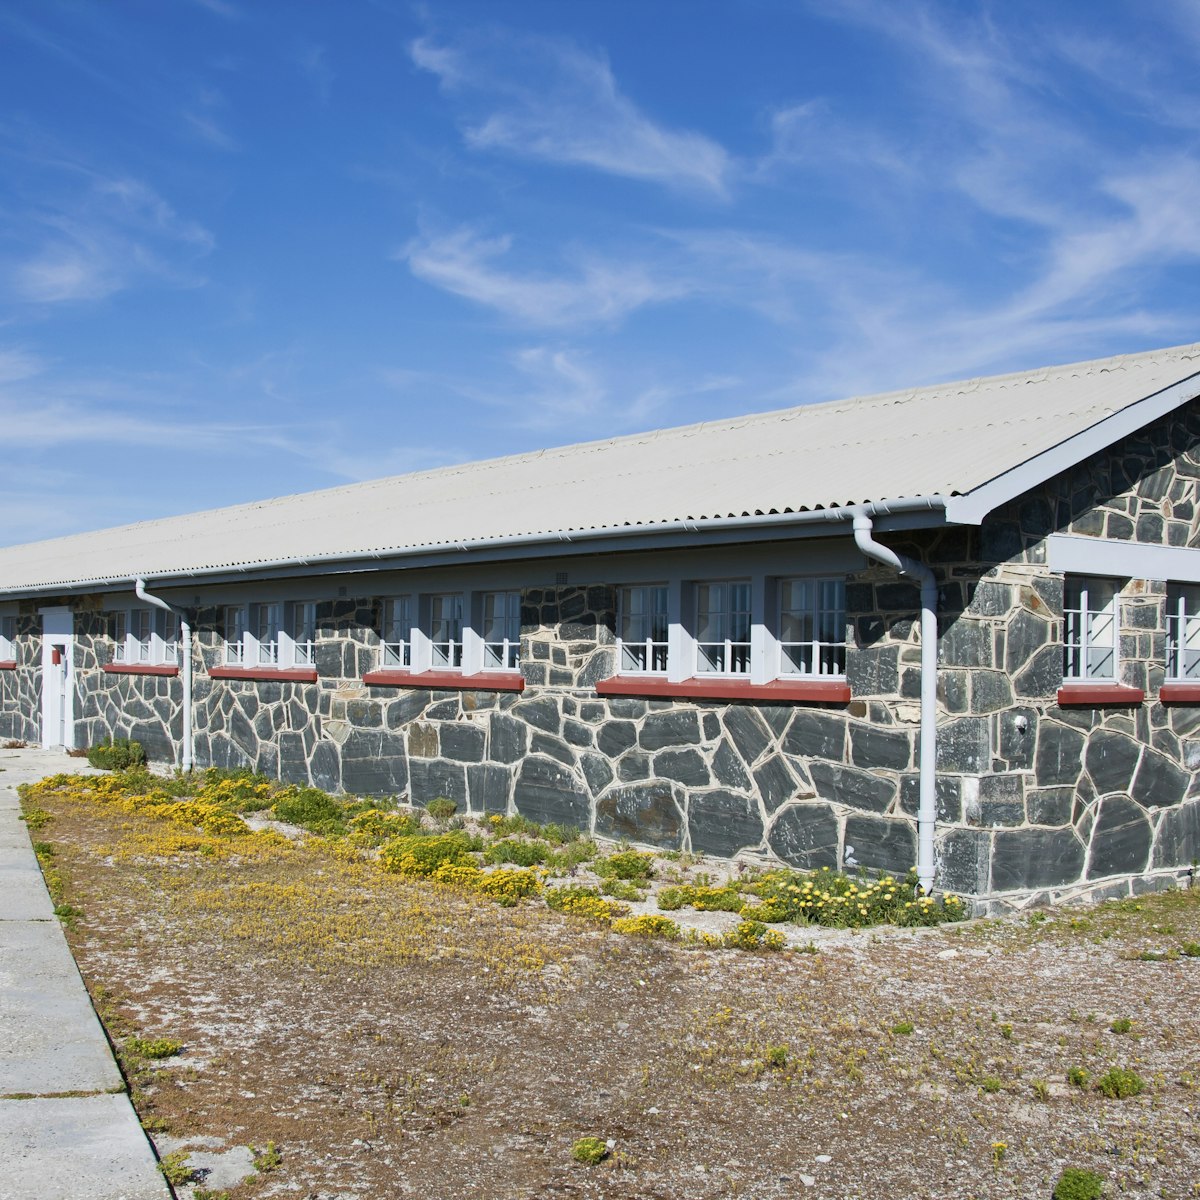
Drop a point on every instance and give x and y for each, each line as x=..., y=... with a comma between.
x=597, y=290
x=93, y=233
x=550, y=100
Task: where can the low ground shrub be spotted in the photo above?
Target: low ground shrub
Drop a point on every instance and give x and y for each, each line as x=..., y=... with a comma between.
x=589, y=1150
x=116, y=754
x=441, y=808
x=578, y=901
x=512, y=850
x=626, y=864
x=828, y=897
x=647, y=925
x=1076, y=1184
x=1119, y=1084
x=311, y=809
x=423, y=855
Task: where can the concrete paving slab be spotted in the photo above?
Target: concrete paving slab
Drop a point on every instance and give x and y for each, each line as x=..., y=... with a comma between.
x=76, y=1148
x=50, y=1037
x=23, y=895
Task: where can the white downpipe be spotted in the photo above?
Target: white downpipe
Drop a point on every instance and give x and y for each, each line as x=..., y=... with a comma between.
x=188, y=757
x=927, y=809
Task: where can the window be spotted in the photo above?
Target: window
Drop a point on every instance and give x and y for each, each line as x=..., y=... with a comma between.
x=271, y=634
x=1183, y=633
x=642, y=627
x=268, y=621
x=1090, y=628
x=723, y=628
x=397, y=632
x=144, y=637
x=812, y=627
x=8, y=638
x=501, y=630
x=446, y=631
x=235, y=635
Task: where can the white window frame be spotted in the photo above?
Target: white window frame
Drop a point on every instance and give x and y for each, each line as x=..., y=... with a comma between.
x=1183, y=632
x=144, y=637
x=825, y=611
x=728, y=649
x=270, y=635
x=499, y=642
x=432, y=650
x=1091, y=629
x=643, y=655
x=396, y=643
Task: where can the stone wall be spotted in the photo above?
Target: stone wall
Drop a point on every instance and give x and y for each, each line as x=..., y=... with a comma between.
x=21, y=689
x=1034, y=800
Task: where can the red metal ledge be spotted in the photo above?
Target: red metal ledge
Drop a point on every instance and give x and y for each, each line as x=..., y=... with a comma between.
x=139, y=669
x=1169, y=693
x=451, y=681
x=266, y=674
x=775, y=692
x=8, y=664
x=1094, y=695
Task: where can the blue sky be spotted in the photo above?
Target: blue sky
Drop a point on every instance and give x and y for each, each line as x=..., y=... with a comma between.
x=252, y=248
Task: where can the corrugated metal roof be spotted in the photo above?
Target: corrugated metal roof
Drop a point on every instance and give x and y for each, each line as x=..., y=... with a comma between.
x=947, y=439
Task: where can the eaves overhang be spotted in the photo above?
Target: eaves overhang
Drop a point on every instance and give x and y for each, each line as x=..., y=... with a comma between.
x=897, y=514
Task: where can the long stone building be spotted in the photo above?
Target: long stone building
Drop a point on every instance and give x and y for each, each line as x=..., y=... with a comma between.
x=957, y=627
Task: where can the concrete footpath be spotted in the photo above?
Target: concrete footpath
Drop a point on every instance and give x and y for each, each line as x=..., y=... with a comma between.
x=67, y=1128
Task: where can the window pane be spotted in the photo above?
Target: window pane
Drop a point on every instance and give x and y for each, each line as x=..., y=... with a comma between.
x=397, y=630
x=723, y=628
x=643, y=627
x=1183, y=632
x=445, y=629
x=812, y=626
x=1090, y=628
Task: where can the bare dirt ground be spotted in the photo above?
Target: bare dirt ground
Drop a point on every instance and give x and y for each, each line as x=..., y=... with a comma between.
x=400, y=1038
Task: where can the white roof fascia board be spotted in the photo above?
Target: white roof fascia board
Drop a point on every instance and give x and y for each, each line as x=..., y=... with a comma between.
x=971, y=507
x=1071, y=554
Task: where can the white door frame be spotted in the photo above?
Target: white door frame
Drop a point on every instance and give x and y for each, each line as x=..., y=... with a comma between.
x=58, y=679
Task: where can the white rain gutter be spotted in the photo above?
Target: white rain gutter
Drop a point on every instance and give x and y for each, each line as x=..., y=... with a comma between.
x=188, y=757
x=927, y=809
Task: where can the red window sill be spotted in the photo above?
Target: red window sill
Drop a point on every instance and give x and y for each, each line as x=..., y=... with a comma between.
x=1092, y=695
x=777, y=691
x=481, y=681
x=140, y=669
x=8, y=664
x=266, y=674
x=1169, y=693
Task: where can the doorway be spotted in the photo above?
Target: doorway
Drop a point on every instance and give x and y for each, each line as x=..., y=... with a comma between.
x=58, y=678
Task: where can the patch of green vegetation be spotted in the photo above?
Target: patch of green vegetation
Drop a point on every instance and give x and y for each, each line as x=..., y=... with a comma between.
x=175, y=1169
x=512, y=850
x=268, y=1158
x=1118, y=1083
x=311, y=809
x=622, y=889
x=754, y=935
x=828, y=897
x=441, y=808
x=36, y=818
x=626, y=864
x=1077, y=1077
x=1077, y=1184
x=423, y=855
x=116, y=754
x=152, y=1047
x=1121, y=1025
x=902, y=1028
x=589, y=1150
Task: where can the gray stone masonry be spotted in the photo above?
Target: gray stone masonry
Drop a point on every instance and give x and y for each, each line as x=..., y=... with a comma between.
x=1033, y=800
